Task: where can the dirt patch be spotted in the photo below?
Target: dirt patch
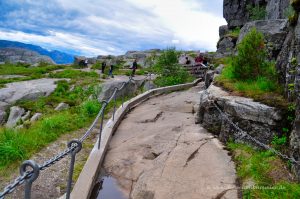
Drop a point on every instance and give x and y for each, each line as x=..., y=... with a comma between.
x=280, y=172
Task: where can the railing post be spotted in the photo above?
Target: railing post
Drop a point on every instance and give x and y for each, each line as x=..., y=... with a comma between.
x=28, y=182
x=78, y=145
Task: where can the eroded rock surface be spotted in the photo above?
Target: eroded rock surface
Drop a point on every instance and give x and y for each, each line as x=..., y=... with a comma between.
x=260, y=121
x=159, y=152
x=27, y=90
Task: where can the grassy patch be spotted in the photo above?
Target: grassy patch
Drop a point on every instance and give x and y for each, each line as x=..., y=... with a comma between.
x=72, y=74
x=234, y=33
x=24, y=69
x=260, y=89
x=258, y=168
x=18, y=145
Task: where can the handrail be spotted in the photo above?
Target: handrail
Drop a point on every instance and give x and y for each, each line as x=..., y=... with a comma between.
x=30, y=170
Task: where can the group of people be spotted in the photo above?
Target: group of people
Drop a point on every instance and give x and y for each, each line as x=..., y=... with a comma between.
x=111, y=68
x=110, y=73
x=199, y=60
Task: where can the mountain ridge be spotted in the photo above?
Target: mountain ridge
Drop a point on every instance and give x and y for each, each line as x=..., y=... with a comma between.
x=57, y=56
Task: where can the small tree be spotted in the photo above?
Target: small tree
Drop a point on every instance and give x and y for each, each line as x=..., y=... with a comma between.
x=170, y=71
x=251, y=60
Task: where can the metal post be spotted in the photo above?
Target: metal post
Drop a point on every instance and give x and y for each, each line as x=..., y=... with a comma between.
x=101, y=124
x=78, y=145
x=31, y=178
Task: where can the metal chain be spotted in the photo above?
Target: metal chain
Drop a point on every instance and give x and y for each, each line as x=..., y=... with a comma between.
x=21, y=179
x=18, y=181
x=242, y=135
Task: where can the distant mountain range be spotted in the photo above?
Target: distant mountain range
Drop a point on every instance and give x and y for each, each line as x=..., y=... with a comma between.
x=57, y=56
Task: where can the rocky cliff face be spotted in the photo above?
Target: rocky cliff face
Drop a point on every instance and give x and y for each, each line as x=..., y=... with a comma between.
x=282, y=39
x=236, y=12
x=15, y=55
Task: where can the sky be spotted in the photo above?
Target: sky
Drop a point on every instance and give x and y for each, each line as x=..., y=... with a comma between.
x=102, y=27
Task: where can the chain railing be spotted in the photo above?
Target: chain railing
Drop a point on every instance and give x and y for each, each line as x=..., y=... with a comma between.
x=30, y=170
x=242, y=135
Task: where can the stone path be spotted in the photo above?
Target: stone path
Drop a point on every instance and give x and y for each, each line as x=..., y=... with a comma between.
x=158, y=152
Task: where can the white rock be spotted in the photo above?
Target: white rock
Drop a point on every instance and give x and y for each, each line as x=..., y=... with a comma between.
x=26, y=116
x=14, y=116
x=36, y=117
x=62, y=106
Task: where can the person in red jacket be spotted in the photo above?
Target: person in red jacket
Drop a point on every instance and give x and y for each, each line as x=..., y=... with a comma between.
x=199, y=59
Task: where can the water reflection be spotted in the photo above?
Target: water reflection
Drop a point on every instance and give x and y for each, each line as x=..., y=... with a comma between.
x=106, y=187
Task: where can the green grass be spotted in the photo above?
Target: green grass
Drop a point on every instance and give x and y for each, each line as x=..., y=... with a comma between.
x=69, y=73
x=260, y=89
x=264, y=169
x=23, y=69
x=18, y=145
x=234, y=33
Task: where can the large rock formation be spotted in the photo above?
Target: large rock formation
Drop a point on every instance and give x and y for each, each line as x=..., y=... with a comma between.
x=275, y=32
x=15, y=55
x=260, y=121
x=276, y=9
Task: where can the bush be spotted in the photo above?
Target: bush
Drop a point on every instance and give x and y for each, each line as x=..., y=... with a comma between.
x=170, y=72
x=257, y=12
x=251, y=60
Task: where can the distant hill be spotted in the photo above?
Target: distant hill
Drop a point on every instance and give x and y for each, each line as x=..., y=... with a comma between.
x=57, y=56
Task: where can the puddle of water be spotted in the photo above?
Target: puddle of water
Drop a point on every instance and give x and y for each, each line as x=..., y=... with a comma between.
x=106, y=188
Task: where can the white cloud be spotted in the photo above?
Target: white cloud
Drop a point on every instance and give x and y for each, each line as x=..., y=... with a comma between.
x=94, y=27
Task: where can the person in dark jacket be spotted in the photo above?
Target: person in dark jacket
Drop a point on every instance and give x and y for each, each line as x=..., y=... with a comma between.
x=103, y=67
x=134, y=67
x=111, y=71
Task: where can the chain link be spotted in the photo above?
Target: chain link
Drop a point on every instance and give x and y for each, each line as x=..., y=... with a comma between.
x=21, y=179
x=242, y=134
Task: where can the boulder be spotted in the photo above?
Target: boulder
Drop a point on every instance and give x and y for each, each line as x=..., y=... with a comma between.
x=130, y=89
x=3, y=106
x=62, y=106
x=219, y=69
x=26, y=90
x=209, y=77
x=226, y=45
x=26, y=116
x=258, y=120
x=36, y=117
x=223, y=30
x=15, y=55
x=14, y=116
x=274, y=31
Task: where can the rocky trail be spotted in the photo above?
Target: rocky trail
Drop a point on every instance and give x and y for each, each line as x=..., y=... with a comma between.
x=159, y=152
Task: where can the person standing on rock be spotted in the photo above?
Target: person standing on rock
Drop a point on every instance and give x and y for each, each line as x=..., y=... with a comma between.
x=111, y=71
x=103, y=67
x=134, y=67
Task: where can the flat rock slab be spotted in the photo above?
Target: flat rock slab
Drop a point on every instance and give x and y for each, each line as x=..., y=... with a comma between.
x=29, y=90
x=158, y=152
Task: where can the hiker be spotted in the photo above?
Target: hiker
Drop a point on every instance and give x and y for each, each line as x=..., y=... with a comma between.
x=134, y=67
x=187, y=61
x=103, y=67
x=199, y=59
x=111, y=71
x=86, y=63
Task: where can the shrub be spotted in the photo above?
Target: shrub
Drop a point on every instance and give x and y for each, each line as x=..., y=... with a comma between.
x=170, y=72
x=257, y=12
x=251, y=60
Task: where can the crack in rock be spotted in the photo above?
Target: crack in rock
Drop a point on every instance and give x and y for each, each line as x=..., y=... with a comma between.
x=193, y=155
x=154, y=119
x=220, y=195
